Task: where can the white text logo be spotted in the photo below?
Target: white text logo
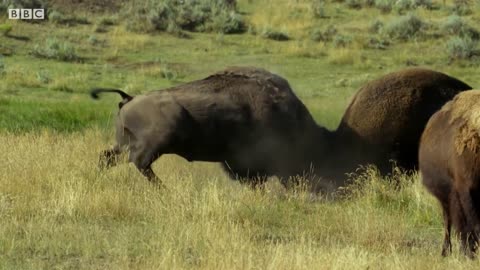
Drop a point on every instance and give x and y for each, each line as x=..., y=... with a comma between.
x=26, y=14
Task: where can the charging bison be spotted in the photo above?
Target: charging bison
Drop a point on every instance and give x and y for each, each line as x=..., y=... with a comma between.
x=386, y=117
x=246, y=118
x=449, y=160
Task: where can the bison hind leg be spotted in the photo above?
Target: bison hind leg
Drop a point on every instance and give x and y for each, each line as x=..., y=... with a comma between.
x=469, y=232
x=447, y=219
x=143, y=158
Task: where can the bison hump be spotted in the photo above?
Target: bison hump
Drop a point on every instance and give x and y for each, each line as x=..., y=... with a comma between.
x=262, y=76
x=385, y=107
x=464, y=111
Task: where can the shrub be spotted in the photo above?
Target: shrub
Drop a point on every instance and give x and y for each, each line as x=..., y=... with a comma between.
x=401, y=6
x=93, y=40
x=461, y=48
x=428, y=4
x=274, y=35
x=317, y=35
x=59, y=18
x=376, y=26
x=56, y=16
x=227, y=23
x=176, y=31
x=376, y=43
x=324, y=35
x=405, y=27
x=355, y=4
x=318, y=9
x=231, y=4
x=461, y=7
x=198, y=16
x=108, y=21
x=384, y=5
x=369, y=3
x=455, y=25
x=341, y=41
x=54, y=49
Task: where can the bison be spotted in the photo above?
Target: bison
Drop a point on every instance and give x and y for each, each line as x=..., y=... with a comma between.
x=386, y=117
x=247, y=118
x=449, y=160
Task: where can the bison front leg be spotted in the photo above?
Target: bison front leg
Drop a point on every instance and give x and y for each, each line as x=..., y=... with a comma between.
x=109, y=158
x=149, y=174
x=254, y=178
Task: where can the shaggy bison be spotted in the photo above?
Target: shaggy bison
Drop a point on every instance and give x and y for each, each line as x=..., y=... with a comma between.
x=449, y=160
x=386, y=117
x=246, y=118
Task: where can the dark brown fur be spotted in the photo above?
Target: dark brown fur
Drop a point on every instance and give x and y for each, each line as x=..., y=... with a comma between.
x=249, y=119
x=386, y=117
x=449, y=160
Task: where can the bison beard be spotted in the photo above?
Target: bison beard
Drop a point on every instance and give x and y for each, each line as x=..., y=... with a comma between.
x=247, y=118
x=449, y=160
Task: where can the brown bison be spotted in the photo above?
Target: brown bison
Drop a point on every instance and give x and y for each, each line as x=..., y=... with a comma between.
x=449, y=160
x=247, y=118
x=386, y=117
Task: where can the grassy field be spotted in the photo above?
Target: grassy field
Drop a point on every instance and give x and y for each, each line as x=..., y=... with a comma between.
x=58, y=211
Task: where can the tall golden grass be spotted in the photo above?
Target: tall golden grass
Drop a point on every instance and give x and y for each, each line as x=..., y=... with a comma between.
x=58, y=211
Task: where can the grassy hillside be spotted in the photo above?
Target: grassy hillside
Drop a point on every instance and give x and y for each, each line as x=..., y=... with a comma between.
x=57, y=211
x=333, y=49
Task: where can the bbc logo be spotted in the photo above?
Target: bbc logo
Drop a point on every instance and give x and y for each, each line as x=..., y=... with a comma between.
x=26, y=14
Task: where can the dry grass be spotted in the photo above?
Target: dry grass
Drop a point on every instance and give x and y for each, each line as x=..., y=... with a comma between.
x=19, y=76
x=273, y=15
x=59, y=212
x=344, y=56
x=120, y=39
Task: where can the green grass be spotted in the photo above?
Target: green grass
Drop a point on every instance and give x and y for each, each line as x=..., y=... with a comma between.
x=324, y=74
x=22, y=115
x=57, y=211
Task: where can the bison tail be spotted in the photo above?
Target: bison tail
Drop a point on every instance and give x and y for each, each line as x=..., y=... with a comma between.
x=94, y=93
